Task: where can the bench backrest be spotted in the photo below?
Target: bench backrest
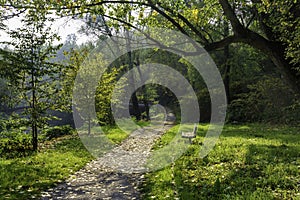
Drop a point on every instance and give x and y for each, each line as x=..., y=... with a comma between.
x=195, y=129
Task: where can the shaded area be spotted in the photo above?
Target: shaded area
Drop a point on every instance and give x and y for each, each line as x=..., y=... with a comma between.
x=100, y=185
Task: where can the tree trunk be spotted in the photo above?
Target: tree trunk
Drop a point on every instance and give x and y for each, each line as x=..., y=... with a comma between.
x=147, y=109
x=89, y=126
x=134, y=99
x=135, y=106
x=274, y=50
x=227, y=65
x=144, y=90
x=33, y=113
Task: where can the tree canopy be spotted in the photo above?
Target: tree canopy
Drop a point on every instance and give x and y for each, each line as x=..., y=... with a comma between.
x=258, y=31
x=269, y=26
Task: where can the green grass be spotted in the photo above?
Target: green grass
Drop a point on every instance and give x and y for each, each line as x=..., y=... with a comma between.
x=248, y=162
x=25, y=178
x=114, y=134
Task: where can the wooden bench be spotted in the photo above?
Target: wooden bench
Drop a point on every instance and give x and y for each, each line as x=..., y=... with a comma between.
x=190, y=135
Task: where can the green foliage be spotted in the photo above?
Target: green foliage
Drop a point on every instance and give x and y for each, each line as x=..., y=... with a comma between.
x=13, y=122
x=103, y=96
x=58, y=131
x=267, y=101
x=15, y=144
x=8, y=91
x=248, y=162
x=74, y=61
x=86, y=70
x=26, y=178
x=283, y=19
x=292, y=113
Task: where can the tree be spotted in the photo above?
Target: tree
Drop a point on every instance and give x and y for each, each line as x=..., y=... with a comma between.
x=268, y=42
x=253, y=22
x=103, y=96
x=270, y=27
x=36, y=76
x=91, y=92
x=86, y=79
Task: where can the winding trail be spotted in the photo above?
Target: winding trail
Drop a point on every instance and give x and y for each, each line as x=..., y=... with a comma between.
x=116, y=175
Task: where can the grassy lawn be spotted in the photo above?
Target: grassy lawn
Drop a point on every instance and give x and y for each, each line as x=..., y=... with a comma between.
x=248, y=162
x=116, y=135
x=26, y=177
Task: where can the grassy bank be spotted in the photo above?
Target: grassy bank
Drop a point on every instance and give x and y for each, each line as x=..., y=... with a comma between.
x=248, y=162
x=26, y=177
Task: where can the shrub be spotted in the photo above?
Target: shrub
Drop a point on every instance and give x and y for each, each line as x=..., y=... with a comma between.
x=15, y=144
x=268, y=100
x=293, y=113
x=58, y=131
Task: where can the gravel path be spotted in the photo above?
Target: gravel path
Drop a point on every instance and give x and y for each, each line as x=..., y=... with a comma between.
x=116, y=175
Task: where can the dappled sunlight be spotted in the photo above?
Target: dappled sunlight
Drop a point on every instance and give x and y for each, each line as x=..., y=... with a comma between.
x=241, y=165
x=25, y=178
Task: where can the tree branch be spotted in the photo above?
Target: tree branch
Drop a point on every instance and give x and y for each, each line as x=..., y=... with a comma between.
x=222, y=43
x=238, y=28
x=158, y=43
x=186, y=21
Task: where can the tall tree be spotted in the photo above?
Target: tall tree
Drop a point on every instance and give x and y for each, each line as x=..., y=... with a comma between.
x=260, y=24
x=35, y=74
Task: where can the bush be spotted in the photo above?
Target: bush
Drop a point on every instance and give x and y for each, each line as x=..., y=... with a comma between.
x=293, y=113
x=58, y=131
x=269, y=100
x=15, y=144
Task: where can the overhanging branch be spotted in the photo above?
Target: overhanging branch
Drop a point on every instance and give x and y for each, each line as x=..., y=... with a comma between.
x=222, y=43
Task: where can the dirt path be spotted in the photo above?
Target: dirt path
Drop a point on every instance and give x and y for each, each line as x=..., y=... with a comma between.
x=116, y=175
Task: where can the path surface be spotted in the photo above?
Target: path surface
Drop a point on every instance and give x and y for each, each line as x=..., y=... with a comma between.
x=116, y=175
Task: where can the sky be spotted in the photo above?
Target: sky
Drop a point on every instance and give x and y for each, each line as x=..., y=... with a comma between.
x=62, y=26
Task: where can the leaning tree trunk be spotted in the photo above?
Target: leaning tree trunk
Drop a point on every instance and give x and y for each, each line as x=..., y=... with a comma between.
x=273, y=49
